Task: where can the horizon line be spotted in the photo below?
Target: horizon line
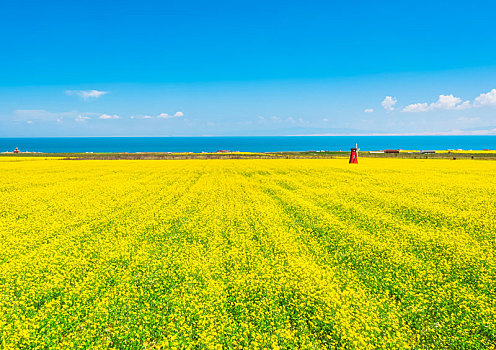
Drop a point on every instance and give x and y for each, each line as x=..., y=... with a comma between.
x=478, y=133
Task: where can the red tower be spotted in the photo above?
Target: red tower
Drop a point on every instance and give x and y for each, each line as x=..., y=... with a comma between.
x=353, y=156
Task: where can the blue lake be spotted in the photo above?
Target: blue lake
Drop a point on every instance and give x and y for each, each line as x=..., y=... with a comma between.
x=247, y=144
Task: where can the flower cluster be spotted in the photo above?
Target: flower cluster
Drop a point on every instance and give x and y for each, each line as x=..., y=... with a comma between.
x=307, y=253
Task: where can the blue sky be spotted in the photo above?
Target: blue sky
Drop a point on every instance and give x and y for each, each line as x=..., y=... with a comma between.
x=190, y=68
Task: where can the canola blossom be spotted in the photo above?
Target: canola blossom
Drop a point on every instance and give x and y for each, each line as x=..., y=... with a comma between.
x=229, y=254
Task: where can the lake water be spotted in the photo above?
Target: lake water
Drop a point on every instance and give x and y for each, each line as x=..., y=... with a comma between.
x=247, y=144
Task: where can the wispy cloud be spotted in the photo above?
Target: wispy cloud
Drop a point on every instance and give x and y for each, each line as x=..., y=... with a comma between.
x=86, y=94
x=280, y=120
x=368, y=110
x=81, y=119
x=34, y=114
x=388, y=103
x=159, y=116
x=108, y=116
x=41, y=114
x=456, y=132
x=469, y=119
x=141, y=117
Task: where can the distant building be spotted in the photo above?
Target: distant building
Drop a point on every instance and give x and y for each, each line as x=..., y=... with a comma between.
x=426, y=152
x=391, y=151
x=17, y=150
x=223, y=151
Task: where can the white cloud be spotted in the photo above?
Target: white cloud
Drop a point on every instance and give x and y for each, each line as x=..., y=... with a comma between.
x=388, y=103
x=34, y=115
x=107, y=116
x=487, y=99
x=464, y=105
x=81, y=119
x=445, y=102
x=147, y=117
x=325, y=120
x=369, y=110
x=416, y=107
x=29, y=122
x=86, y=94
x=169, y=116
x=449, y=102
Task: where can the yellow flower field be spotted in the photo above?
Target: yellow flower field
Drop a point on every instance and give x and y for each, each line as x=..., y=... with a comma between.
x=311, y=254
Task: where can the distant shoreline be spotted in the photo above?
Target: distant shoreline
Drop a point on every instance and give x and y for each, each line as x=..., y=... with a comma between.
x=255, y=144
x=438, y=154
